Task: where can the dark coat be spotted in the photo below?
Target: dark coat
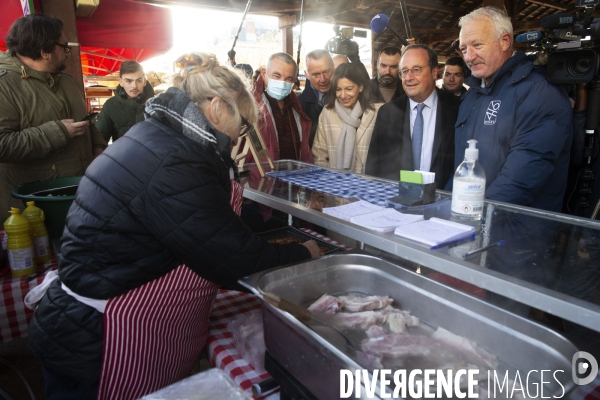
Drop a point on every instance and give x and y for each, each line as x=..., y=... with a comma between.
x=391, y=144
x=152, y=201
x=120, y=113
x=523, y=125
x=377, y=97
x=312, y=108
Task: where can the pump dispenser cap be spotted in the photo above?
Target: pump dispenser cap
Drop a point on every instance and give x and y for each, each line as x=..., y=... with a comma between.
x=472, y=152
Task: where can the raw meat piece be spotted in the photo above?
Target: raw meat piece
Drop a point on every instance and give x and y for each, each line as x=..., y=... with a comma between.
x=360, y=320
x=354, y=303
x=326, y=304
x=397, y=345
x=384, y=314
x=409, y=320
x=375, y=331
x=469, y=348
x=396, y=323
x=368, y=361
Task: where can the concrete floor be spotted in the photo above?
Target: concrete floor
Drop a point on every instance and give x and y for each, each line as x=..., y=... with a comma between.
x=19, y=356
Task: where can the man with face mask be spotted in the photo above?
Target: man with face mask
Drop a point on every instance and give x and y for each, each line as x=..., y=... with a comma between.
x=386, y=86
x=285, y=128
x=126, y=108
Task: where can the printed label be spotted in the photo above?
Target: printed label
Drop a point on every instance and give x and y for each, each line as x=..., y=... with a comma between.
x=467, y=197
x=41, y=246
x=20, y=259
x=492, y=112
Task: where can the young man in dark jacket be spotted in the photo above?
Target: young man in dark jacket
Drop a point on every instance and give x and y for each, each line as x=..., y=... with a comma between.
x=126, y=108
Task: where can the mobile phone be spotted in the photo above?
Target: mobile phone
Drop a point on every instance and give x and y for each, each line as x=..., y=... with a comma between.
x=90, y=116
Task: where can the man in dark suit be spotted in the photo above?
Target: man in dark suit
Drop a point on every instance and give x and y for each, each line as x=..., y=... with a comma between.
x=319, y=68
x=416, y=130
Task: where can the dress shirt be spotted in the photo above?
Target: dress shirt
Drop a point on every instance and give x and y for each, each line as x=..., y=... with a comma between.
x=429, y=118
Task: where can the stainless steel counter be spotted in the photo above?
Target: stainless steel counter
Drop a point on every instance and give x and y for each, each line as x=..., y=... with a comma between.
x=550, y=261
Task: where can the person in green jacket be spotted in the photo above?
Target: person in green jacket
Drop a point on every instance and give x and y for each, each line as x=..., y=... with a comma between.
x=126, y=107
x=42, y=135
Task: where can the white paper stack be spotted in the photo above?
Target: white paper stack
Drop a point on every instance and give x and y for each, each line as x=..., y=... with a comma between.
x=385, y=220
x=350, y=210
x=435, y=232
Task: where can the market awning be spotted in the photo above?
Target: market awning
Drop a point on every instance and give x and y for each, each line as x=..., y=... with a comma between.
x=118, y=30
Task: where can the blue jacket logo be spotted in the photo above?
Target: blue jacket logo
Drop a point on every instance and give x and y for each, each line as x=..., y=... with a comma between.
x=492, y=112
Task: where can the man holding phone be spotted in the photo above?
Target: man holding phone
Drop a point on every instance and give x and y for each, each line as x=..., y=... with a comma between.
x=42, y=135
x=126, y=107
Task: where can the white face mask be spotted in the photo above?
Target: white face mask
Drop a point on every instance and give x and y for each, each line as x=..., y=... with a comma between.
x=278, y=89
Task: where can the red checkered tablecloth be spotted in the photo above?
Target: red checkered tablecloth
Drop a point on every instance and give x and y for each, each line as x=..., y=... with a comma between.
x=14, y=316
x=325, y=238
x=222, y=353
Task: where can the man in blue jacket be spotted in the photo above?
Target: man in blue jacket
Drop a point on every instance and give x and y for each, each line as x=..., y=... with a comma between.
x=522, y=122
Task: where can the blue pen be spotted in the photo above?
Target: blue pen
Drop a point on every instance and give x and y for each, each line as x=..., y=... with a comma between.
x=470, y=253
x=461, y=239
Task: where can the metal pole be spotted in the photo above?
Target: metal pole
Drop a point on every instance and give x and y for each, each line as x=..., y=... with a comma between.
x=300, y=37
x=405, y=19
x=231, y=53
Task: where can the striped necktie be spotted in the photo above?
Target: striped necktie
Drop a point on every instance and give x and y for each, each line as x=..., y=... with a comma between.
x=417, y=137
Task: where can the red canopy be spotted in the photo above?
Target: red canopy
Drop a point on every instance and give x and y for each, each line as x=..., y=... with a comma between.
x=118, y=30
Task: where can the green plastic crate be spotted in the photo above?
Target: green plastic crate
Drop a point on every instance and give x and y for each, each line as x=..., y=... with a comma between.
x=55, y=199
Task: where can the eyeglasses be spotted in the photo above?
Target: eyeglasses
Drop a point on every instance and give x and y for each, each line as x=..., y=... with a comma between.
x=416, y=71
x=64, y=46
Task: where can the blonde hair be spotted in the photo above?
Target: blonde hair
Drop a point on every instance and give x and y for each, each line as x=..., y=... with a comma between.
x=202, y=78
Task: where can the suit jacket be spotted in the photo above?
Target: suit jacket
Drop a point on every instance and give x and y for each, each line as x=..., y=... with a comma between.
x=391, y=144
x=312, y=108
x=328, y=134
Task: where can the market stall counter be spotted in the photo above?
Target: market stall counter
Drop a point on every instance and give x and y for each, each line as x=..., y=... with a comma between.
x=549, y=261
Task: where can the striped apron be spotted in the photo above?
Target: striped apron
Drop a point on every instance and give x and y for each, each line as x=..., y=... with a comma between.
x=154, y=334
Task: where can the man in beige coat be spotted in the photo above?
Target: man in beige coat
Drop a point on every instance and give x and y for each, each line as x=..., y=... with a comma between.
x=41, y=136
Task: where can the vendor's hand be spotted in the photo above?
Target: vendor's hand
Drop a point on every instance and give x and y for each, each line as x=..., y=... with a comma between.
x=75, y=128
x=311, y=245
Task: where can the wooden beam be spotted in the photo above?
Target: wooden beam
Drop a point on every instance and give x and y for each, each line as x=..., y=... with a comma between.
x=65, y=11
x=549, y=4
x=431, y=5
x=287, y=40
x=494, y=3
x=287, y=20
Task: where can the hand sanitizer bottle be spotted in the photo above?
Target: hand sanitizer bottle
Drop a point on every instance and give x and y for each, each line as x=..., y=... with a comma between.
x=468, y=190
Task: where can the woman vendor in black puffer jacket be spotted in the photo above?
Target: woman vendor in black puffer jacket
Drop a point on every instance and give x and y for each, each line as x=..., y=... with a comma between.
x=151, y=235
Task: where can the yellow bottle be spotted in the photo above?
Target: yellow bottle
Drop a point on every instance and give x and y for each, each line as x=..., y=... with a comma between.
x=19, y=245
x=38, y=232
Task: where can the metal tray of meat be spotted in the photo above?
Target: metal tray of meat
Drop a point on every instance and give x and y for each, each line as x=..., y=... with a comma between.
x=297, y=236
x=520, y=344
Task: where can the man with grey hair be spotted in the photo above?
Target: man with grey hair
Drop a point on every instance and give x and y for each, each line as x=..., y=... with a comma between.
x=522, y=122
x=319, y=68
x=283, y=125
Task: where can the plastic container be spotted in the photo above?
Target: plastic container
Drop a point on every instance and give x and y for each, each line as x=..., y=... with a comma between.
x=468, y=191
x=19, y=245
x=38, y=232
x=54, y=197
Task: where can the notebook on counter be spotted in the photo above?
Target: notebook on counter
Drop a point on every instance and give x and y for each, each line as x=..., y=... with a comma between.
x=371, y=216
x=435, y=232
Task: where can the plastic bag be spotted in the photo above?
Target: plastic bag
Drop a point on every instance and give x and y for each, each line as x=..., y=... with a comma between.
x=249, y=339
